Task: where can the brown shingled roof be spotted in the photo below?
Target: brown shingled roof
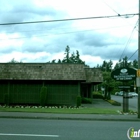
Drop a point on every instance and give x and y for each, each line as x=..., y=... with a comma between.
x=42, y=71
x=93, y=75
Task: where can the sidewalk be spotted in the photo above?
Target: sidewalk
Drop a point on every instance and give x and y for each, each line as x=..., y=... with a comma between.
x=94, y=117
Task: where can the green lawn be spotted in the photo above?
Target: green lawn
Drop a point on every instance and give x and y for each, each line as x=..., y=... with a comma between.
x=61, y=110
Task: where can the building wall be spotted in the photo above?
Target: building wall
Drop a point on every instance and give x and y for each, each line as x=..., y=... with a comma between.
x=28, y=92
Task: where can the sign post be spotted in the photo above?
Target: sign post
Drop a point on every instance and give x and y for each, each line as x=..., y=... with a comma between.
x=124, y=74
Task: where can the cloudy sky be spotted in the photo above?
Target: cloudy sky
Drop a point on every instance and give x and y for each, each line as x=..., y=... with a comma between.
x=96, y=39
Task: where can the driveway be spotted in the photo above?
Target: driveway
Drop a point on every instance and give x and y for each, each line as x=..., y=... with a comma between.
x=133, y=102
x=100, y=103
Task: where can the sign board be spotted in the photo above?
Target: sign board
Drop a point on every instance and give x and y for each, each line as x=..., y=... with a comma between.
x=138, y=73
x=124, y=74
x=124, y=87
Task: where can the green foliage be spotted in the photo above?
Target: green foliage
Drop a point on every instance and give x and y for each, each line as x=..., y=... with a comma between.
x=97, y=92
x=86, y=100
x=7, y=99
x=66, y=58
x=70, y=58
x=43, y=96
x=14, y=61
x=78, y=101
x=53, y=61
x=97, y=96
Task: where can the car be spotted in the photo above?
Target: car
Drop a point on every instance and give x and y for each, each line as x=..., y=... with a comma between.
x=116, y=93
x=119, y=93
x=134, y=94
x=128, y=95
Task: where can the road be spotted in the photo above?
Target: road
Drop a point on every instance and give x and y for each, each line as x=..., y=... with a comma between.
x=133, y=102
x=35, y=129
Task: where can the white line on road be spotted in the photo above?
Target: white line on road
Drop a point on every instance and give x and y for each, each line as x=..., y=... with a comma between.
x=28, y=135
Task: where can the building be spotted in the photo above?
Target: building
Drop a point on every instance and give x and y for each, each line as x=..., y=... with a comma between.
x=22, y=82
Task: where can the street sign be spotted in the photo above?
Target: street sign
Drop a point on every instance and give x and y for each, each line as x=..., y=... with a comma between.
x=138, y=73
x=124, y=74
x=124, y=87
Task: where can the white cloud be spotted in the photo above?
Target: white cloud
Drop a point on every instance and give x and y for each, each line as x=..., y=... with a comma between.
x=96, y=39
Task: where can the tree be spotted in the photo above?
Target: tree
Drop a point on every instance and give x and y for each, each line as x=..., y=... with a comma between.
x=53, y=61
x=14, y=61
x=67, y=58
x=77, y=58
x=72, y=58
x=123, y=63
x=59, y=61
x=135, y=63
x=107, y=66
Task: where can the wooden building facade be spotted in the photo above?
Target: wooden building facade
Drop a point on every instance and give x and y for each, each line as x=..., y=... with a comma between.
x=22, y=82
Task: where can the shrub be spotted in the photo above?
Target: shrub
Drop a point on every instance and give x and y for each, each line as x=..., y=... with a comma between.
x=98, y=96
x=6, y=99
x=86, y=101
x=97, y=92
x=114, y=102
x=43, y=96
x=78, y=101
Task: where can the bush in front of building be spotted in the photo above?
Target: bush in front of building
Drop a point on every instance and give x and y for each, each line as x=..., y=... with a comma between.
x=43, y=96
x=97, y=95
x=6, y=99
x=78, y=101
x=86, y=100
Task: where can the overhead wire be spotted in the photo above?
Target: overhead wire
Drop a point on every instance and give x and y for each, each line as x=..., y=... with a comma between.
x=61, y=32
x=132, y=55
x=70, y=19
x=129, y=24
x=110, y=7
x=129, y=40
x=85, y=18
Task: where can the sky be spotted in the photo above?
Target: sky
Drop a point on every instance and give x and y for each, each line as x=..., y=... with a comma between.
x=96, y=39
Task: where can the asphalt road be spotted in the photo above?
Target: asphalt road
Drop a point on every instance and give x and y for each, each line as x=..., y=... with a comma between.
x=133, y=102
x=32, y=129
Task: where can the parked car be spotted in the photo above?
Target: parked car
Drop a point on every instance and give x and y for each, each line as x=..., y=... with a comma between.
x=134, y=94
x=116, y=93
x=128, y=95
x=121, y=93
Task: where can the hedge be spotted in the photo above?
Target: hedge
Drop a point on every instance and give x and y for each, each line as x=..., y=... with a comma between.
x=43, y=96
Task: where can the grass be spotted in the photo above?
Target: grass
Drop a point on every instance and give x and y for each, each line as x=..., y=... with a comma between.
x=61, y=110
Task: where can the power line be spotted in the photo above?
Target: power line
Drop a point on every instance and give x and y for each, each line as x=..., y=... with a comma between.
x=111, y=7
x=70, y=19
x=132, y=55
x=72, y=32
x=129, y=40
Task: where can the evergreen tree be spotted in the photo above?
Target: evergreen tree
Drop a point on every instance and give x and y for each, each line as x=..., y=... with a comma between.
x=59, y=61
x=135, y=63
x=66, y=58
x=77, y=58
x=72, y=58
x=53, y=61
x=14, y=61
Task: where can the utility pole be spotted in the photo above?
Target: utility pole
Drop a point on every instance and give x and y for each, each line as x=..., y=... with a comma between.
x=139, y=60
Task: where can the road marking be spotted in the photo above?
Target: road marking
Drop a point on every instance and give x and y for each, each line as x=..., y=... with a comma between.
x=27, y=135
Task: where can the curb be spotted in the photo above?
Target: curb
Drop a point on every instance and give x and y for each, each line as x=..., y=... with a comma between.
x=70, y=118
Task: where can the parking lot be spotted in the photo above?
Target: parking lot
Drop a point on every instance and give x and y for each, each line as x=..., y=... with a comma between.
x=133, y=102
